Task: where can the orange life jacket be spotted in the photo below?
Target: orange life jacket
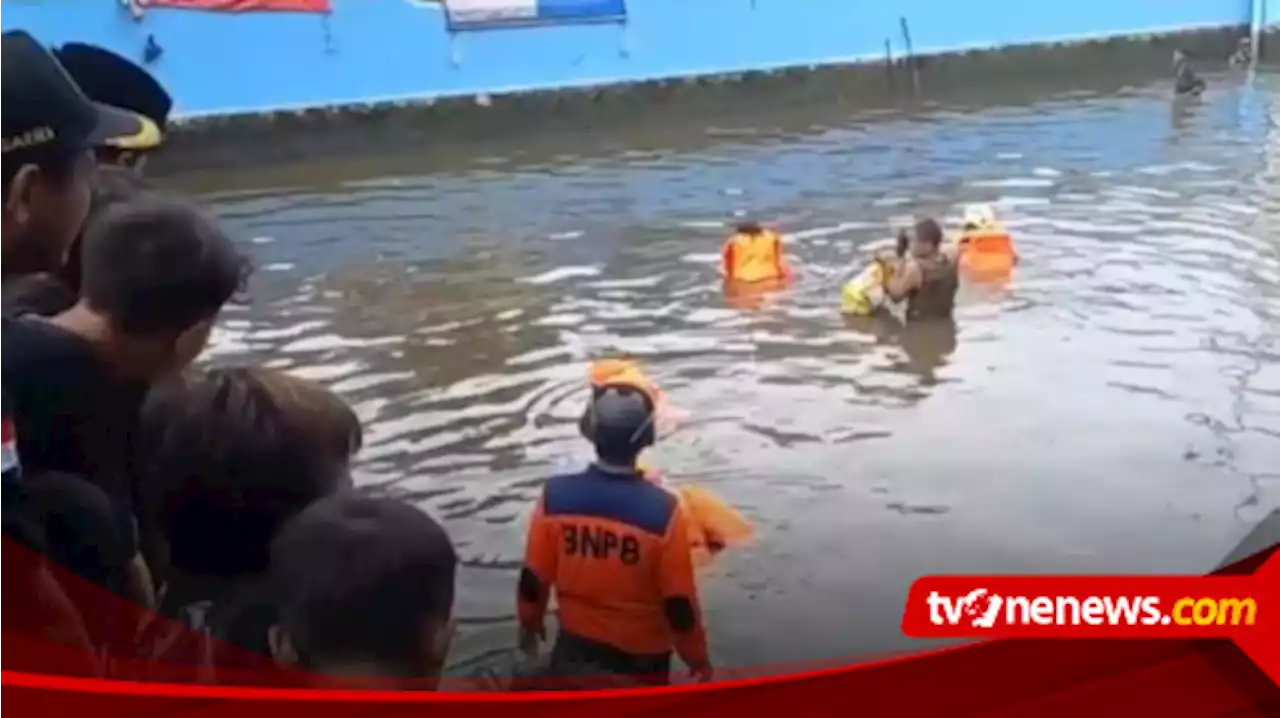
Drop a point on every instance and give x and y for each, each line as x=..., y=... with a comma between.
x=987, y=250
x=987, y=241
x=756, y=257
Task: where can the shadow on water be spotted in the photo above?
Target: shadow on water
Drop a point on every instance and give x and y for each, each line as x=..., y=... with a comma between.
x=1116, y=407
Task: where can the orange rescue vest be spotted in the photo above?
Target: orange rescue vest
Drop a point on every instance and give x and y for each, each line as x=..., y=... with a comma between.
x=987, y=250
x=754, y=257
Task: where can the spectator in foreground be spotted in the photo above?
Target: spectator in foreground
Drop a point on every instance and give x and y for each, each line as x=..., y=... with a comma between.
x=48, y=293
x=156, y=274
x=225, y=458
x=364, y=588
x=50, y=128
x=118, y=82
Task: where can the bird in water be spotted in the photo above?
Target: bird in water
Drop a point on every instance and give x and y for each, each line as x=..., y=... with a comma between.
x=1243, y=54
x=1186, y=82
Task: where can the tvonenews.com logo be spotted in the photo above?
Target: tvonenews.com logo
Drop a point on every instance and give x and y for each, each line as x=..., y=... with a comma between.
x=980, y=608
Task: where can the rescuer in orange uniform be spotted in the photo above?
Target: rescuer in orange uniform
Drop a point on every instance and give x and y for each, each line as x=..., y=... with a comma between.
x=615, y=548
x=754, y=254
x=985, y=251
x=713, y=525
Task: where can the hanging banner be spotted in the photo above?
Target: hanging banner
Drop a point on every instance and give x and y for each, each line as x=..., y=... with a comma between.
x=479, y=14
x=322, y=6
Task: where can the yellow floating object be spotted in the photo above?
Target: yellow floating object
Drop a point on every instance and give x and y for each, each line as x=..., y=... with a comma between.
x=864, y=294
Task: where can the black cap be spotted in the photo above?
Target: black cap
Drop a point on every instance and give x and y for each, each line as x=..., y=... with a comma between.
x=44, y=108
x=621, y=417
x=116, y=81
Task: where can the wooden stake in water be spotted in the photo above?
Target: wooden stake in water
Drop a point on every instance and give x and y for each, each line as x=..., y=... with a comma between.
x=911, y=55
x=1258, y=19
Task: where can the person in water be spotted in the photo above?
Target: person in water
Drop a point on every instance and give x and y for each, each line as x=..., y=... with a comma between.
x=117, y=82
x=926, y=277
x=754, y=254
x=1186, y=83
x=985, y=249
x=615, y=549
x=713, y=525
x=363, y=588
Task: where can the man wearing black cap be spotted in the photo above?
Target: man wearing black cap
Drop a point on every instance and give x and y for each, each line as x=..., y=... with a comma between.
x=117, y=81
x=50, y=128
x=615, y=548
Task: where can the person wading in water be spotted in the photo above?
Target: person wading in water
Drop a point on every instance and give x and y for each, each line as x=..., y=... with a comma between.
x=926, y=277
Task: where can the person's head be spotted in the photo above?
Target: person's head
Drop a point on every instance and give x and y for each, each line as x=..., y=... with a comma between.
x=749, y=229
x=119, y=82
x=619, y=422
x=364, y=589
x=84, y=534
x=112, y=185
x=227, y=456
x=155, y=272
x=979, y=216
x=49, y=293
x=926, y=238
x=50, y=128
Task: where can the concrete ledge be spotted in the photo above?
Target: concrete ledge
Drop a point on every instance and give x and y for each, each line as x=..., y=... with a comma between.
x=969, y=78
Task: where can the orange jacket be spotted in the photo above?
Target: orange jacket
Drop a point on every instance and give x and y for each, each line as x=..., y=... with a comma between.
x=987, y=241
x=756, y=257
x=616, y=551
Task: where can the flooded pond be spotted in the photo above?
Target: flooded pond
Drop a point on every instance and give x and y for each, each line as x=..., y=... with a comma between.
x=1115, y=409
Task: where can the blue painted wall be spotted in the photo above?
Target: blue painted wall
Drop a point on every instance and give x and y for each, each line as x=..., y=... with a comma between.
x=370, y=50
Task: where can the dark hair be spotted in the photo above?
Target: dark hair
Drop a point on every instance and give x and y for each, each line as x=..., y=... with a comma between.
x=749, y=228
x=362, y=579
x=112, y=185
x=228, y=456
x=157, y=264
x=929, y=232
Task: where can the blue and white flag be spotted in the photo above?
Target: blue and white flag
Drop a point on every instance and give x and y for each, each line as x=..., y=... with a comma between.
x=496, y=13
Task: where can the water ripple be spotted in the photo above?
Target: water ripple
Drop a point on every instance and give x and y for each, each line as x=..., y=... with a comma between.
x=1117, y=406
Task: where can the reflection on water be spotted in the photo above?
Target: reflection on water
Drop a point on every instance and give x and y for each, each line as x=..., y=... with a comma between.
x=1115, y=408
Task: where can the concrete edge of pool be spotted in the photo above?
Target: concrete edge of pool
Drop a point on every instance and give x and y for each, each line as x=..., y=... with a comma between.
x=962, y=77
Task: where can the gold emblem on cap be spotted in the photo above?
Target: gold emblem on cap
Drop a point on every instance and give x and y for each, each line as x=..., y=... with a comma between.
x=30, y=138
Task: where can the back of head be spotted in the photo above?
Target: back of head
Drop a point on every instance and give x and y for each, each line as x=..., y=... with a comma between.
x=365, y=584
x=620, y=422
x=158, y=265
x=226, y=457
x=928, y=233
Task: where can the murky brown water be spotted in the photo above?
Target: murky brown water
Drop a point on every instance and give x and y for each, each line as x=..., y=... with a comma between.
x=1117, y=409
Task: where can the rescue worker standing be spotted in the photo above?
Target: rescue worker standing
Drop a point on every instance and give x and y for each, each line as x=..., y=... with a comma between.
x=926, y=277
x=615, y=548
